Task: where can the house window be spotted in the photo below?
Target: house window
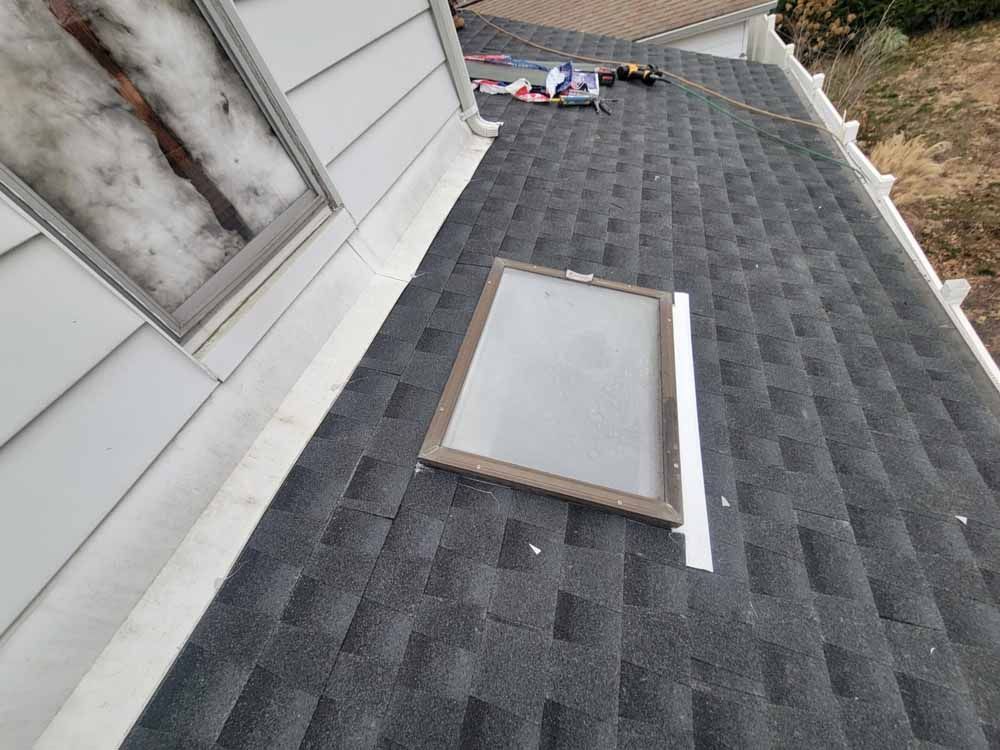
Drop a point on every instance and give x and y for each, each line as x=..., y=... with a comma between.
x=566, y=386
x=129, y=131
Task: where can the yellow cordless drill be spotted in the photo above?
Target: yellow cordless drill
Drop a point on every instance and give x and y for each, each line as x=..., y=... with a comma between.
x=635, y=72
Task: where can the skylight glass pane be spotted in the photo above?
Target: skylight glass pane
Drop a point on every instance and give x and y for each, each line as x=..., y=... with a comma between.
x=565, y=380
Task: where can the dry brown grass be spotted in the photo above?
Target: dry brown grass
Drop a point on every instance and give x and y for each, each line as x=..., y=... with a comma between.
x=826, y=41
x=851, y=71
x=945, y=87
x=919, y=175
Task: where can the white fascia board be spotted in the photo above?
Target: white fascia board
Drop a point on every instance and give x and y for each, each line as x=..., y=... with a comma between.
x=710, y=24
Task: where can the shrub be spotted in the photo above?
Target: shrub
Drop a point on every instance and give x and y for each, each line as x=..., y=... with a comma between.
x=850, y=72
x=910, y=16
x=817, y=28
x=913, y=16
x=827, y=42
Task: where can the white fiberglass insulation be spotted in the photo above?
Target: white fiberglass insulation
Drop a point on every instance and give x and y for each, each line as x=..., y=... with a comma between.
x=169, y=52
x=66, y=131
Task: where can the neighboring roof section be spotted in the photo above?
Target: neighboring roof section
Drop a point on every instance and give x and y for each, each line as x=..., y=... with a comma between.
x=627, y=19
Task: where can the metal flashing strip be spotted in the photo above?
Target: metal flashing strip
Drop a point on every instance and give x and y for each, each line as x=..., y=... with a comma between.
x=598, y=423
x=697, y=540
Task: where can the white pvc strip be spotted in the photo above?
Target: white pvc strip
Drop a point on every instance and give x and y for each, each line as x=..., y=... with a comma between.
x=110, y=697
x=697, y=543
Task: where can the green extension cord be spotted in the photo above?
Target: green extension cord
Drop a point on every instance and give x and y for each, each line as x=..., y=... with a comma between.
x=746, y=123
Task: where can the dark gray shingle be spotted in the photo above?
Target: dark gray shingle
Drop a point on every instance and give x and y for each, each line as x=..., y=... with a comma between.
x=840, y=416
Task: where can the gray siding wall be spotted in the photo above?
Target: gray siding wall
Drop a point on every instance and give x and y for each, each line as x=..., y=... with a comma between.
x=369, y=85
x=91, y=392
x=91, y=395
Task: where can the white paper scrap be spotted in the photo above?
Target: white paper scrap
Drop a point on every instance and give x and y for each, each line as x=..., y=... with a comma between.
x=574, y=276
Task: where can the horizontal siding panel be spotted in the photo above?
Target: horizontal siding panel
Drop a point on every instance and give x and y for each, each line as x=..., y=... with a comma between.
x=14, y=228
x=64, y=472
x=373, y=162
x=300, y=38
x=724, y=42
x=59, y=321
x=339, y=104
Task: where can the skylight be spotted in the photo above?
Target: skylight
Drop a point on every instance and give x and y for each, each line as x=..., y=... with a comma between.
x=565, y=384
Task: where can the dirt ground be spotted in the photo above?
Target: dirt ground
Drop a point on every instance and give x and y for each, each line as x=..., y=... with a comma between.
x=945, y=87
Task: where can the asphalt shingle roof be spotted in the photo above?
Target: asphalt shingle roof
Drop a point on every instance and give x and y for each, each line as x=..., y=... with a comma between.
x=626, y=19
x=841, y=418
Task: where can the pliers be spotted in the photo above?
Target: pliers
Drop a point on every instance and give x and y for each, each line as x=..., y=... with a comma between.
x=600, y=106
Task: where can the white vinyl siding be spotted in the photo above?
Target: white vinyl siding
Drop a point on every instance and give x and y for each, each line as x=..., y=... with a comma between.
x=14, y=229
x=56, y=339
x=278, y=292
x=63, y=472
x=728, y=41
x=90, y=395
x=301, y=38
x=332, y=106
x=369, y=88
x=370, y=165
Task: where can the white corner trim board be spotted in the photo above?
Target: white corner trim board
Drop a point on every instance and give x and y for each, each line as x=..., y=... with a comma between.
x=107, y=701
x=767, y=47
x=697, y=542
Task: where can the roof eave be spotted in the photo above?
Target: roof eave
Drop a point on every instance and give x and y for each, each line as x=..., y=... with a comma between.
x=710, y=24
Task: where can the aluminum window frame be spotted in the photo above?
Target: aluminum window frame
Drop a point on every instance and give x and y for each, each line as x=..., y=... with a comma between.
x=667, y=511
x=320, y=195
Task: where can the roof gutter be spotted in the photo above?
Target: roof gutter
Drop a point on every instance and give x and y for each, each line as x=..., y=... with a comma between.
x=459, y=73
x=710, y=24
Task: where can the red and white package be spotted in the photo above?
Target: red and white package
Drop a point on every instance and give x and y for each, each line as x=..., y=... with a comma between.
x=519, y=89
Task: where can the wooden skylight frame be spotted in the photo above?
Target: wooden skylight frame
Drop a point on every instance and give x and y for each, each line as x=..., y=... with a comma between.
x=666, y=509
